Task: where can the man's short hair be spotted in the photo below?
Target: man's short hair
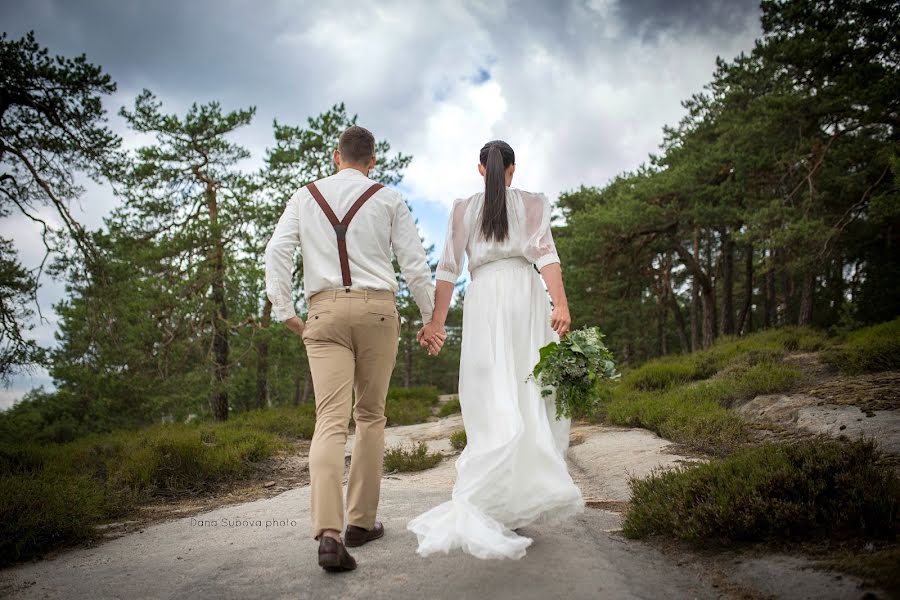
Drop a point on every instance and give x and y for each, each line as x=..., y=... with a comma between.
x=356, y=145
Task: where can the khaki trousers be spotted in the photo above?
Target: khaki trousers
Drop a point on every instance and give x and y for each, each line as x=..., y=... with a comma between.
x=351, y=340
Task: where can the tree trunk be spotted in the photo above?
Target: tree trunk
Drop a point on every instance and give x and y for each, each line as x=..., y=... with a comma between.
x=308, y=388
x=806, y=297
x=661, y=314
x=746, y=316
x=787, y=290
x=299, y=384
x=219, y=396
x=407, y=359
x=727, y=315
x=262, y=359
x=679, y=322
x=707, y=293
x=665, y=288
x=836, y=284
x=708, y=301
x=695, y=298
x=711, y=321
x=769, y=292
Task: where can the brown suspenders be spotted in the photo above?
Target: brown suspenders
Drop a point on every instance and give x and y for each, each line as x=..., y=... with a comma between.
x=340, y=227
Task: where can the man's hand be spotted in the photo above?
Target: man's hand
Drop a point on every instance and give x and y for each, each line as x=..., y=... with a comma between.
x=295, y=324
x=432, y=337
x=560, y=319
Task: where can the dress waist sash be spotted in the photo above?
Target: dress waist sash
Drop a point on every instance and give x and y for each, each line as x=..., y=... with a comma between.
x=512, y=262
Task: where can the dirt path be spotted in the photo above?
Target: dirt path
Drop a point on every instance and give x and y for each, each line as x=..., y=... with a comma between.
x=262, y=548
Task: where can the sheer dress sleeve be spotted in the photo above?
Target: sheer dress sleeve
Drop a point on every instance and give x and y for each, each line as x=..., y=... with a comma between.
x=450, y=265
x=539, y=247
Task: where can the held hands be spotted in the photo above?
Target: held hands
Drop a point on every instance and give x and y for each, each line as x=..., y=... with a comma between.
x=431, y=337
x=296, y=325
x=560, y=320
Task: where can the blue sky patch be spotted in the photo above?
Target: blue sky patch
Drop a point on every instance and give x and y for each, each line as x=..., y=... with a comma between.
x=481, y=76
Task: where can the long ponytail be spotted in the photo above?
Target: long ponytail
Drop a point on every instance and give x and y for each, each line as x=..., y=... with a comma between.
x=496, y=156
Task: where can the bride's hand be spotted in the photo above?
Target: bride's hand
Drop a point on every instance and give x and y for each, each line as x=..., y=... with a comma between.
x=432, y=337
x=560, y=320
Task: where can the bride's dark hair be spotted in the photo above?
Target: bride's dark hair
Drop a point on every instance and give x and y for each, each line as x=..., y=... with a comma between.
x=496, y=156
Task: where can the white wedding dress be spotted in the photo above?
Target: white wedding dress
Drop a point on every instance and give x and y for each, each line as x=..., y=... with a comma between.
x=512, y=471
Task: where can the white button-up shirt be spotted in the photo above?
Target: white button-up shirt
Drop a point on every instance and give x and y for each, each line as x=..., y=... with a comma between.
x=383, y=224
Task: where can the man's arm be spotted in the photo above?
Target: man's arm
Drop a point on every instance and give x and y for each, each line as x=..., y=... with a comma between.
x=280, y=261
x=411, y=255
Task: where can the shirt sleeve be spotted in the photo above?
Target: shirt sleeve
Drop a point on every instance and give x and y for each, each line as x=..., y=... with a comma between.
x=410, y=255
x=279, y=261
x=539, y=247
x=453, y=256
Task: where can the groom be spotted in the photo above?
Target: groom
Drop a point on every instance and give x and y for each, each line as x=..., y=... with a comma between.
x=346, y=227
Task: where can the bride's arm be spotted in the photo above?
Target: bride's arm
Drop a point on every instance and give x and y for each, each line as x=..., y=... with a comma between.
x=442, y=295
x=560, y=320
x=540, y=249
x=448, y=270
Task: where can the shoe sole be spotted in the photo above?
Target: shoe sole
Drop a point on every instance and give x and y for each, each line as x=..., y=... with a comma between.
x=350, y=544
x=332, y=563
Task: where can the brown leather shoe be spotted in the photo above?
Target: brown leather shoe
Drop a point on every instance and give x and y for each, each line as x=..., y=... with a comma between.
x=333, y=556
x=357, y=536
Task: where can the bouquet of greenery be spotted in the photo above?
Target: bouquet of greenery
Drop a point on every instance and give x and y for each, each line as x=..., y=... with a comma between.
x=573, y=366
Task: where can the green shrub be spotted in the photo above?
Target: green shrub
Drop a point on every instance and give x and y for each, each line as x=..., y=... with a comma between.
x=290, y=422
x=41, y=510
x=55, y=494
x=661, y=374
x=729, y=352
x=21, y=458
x=406, y=412
x=425, y=393
x=451, y=407
x=172, y=457
x=458, y=439
x=696, y=414
x=415, y=458
x=871, y=349
x=762, y=378
x=407, y=406
x=685, y=398
x=816, y=488
x=692, y=416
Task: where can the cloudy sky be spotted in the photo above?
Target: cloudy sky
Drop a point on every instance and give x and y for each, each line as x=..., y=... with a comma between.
x=580, y=88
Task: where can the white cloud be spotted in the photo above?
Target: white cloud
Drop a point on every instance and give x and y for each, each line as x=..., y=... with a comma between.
x=579, y=97
x=446, y=149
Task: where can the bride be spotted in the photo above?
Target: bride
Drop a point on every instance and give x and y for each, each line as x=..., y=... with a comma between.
x=512, y=471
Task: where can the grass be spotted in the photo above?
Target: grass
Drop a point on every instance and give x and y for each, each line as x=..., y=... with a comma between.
x=55, y=494
x=686, y=398
x=764, y=347
x=683, y=416
x=805, y=491
x=291, y=422
x=41, y=510
x=407, y=406
x=866, y=350
x=451, y=407
x=458, y=439
x=414, y=458
x=661, y=374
